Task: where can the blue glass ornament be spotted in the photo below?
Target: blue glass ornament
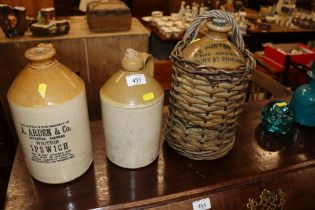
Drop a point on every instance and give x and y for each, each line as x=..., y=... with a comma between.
x=303, y=102
x=277, y=117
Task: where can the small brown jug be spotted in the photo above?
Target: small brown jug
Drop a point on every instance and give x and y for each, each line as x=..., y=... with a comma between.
x=49, y=110
x=132, y=103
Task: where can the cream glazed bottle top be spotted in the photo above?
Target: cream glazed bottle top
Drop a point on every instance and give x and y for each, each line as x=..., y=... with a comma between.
x=45, y=81
x=214, y=49
x=132, y=103
x=49, y=110
x=134, y=85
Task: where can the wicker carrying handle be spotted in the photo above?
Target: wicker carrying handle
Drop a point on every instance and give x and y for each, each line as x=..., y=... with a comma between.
x=193, y=30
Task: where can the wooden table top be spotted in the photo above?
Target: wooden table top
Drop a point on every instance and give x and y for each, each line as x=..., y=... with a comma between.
x=280, y=29
x=256, y=155
x=79, y=29
x=275, y=29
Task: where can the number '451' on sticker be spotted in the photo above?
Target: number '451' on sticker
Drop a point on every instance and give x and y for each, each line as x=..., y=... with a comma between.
x=135, y=79
x=202, y=204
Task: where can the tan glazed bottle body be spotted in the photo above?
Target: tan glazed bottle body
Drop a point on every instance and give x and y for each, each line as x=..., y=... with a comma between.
x=49, y=110
x=214, y=49
x=132, y=103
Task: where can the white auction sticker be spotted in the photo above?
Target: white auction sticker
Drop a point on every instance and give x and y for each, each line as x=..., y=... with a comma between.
x=136, y=79
x=202, y=204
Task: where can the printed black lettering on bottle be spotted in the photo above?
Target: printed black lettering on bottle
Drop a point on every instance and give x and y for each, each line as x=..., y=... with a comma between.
x=214, y=49
x=49, y=141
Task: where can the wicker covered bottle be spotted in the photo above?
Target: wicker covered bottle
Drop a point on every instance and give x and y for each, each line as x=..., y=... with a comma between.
x=49, y=110
x=210, y=77
x=132, y=102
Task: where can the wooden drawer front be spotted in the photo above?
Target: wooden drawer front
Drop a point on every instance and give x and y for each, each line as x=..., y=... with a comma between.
x=298, y=186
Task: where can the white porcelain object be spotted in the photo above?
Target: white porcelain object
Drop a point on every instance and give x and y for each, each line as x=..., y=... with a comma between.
x=270, y=19
x=176, y=32
x=161, y=23
x=169, y=24
x=156, y=14
x=166, y=18
x=168, y=32
x=146, y=18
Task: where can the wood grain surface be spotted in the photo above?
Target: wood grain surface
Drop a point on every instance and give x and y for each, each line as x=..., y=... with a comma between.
x=258, y=160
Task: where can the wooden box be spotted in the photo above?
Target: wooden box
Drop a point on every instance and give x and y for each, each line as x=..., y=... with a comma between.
x=108, y=16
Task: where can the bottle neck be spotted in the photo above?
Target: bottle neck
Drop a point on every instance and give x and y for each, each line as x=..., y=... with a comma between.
x=42, y=64
x=215, y=35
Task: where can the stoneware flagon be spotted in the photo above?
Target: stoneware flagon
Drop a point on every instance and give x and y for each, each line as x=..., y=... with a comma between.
x=209, y=80
x=132, y=103
x=49, y=110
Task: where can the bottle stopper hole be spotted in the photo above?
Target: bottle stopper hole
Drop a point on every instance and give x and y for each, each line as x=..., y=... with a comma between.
x=40, y=53
x=219, y=22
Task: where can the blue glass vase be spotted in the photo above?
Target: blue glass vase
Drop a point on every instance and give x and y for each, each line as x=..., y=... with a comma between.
x=303, y=102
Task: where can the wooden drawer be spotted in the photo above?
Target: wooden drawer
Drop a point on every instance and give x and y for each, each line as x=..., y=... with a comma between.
x=298, y=186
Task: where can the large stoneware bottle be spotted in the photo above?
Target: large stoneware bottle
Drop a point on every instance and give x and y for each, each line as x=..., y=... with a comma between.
x=209, y=81
x=49, y=110
x=132, y=103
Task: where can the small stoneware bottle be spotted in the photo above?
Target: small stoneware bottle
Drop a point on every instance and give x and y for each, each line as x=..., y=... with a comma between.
x=214, y=49
x=49, y=110
x=132, y=103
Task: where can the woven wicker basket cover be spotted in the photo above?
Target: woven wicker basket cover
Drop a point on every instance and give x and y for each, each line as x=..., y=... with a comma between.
x=205, y=102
